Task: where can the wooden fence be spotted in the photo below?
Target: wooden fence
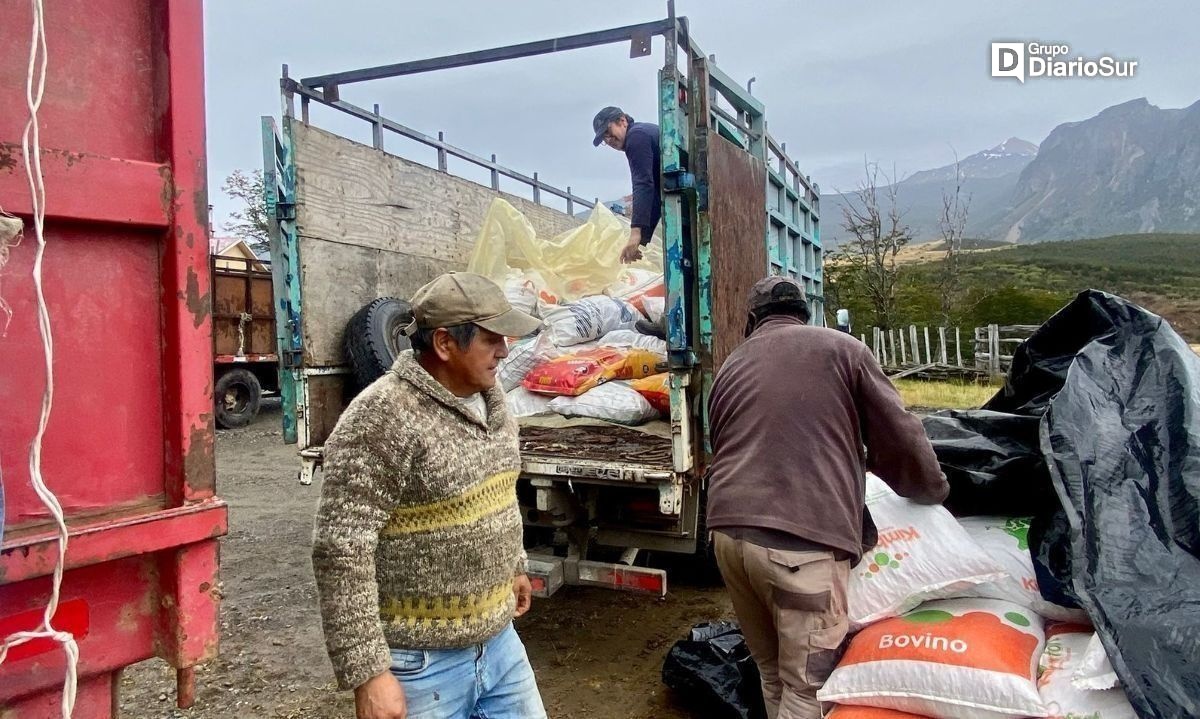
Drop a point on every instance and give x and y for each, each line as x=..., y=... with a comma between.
x=994, y=346
x=903, y=347
x=937, y=351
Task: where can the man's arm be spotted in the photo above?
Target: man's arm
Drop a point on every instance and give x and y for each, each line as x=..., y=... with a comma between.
x=358, y=481
x=643, y=167
x=898, y=451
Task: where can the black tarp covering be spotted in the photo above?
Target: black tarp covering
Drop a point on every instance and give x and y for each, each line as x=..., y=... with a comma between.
x=712, y=669
x=1115, y=394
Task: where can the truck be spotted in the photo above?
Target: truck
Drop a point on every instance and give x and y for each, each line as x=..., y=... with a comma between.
x=133, y=525
x=245, y=360
x=353, y=223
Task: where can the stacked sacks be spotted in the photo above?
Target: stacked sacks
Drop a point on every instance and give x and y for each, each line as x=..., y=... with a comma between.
x=951, y=625
x=582, y=362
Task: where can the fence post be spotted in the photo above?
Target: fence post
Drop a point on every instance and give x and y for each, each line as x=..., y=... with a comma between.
x=958, y=347
x=903, y=352
x=994, y=349
x=892, y=345
x=942, y=344
x=916, y=346
x=928, y=349
x=377, y=130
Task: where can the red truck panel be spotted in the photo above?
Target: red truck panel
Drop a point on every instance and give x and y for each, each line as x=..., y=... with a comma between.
x=129, y=447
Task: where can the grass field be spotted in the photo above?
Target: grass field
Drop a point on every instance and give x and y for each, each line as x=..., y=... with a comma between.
x=1025, y=284
x=943, y=395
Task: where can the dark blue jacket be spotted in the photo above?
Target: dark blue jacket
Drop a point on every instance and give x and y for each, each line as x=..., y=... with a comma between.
x=641, y=149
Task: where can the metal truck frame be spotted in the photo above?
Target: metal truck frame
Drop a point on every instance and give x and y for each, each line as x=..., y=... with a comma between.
x=735, y=207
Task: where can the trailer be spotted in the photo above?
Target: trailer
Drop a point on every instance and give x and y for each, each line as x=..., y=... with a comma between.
x=128, y=448
x=353, y=223
x=245, y=362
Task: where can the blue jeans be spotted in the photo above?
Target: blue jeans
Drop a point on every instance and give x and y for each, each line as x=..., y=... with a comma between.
x=484, y=681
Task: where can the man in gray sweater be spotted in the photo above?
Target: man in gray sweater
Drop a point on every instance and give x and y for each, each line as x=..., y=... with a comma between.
x=417, y=549
x=789, y=413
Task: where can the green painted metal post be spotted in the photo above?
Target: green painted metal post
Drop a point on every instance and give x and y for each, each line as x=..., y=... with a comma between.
x=279, y=189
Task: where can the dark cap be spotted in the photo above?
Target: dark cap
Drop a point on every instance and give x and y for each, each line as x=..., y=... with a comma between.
x=459, y=298
x=603, y=119
x=771, y=290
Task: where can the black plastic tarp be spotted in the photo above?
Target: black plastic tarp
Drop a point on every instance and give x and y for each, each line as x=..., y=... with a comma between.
x=712, y=669
x=1115, y=394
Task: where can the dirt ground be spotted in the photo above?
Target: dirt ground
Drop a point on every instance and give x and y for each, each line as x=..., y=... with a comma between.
x=597, y=653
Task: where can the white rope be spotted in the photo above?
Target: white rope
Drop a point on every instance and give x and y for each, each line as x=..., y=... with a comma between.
x=35, y=87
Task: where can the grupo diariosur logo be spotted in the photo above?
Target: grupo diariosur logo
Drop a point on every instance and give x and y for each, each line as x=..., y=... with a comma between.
x=1029, y=60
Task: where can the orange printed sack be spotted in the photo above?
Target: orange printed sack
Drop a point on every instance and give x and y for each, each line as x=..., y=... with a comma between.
x=657, y=391
x=572, y=375
x=951, y=659
x=847, y=711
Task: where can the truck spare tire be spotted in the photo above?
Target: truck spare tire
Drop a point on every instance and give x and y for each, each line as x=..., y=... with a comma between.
x=372, y=339
x=237, y=396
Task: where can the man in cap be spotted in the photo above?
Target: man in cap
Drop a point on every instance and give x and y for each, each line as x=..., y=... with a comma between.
x=417, y=549
x=789, y=414
x=639, y=142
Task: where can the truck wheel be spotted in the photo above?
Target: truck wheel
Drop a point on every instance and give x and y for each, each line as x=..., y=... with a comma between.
x=372, y=338
x=237, y=397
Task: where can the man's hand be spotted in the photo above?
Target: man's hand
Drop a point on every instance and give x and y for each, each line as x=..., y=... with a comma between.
x=380, y=697
x=632, y=252
x=523, y=591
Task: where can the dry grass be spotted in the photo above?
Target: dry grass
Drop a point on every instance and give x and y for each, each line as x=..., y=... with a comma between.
x=943, y=395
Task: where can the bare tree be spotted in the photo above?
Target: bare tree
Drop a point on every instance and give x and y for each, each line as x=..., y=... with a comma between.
x=875, y=222
x=952, y=224
x=250, y=222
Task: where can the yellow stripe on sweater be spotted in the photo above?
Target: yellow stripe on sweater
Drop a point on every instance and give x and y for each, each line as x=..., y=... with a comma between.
x=447, y=609
x=488, y=497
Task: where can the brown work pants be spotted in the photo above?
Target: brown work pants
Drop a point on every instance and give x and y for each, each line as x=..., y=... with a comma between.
x=792, y=608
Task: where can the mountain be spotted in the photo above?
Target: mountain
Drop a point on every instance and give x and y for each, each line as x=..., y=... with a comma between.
x=989, y=178
x=1133, y=168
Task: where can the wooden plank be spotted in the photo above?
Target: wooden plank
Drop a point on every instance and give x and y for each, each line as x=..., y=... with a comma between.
x=911, y=371
x=942, y=345
x=737, y=197
x=958, y=346
x=375, y=225
x=360, y=196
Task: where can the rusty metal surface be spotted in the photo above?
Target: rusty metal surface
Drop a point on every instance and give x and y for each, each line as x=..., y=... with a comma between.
x=243, y=310
x=597, y=444
x=737, y=196
x=127, y=286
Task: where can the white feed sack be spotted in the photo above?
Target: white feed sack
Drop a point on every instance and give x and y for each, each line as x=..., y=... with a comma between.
x=923, y=553
x=1095, y=671
x=523, y=403
x=1006, y=540
x=589, y=319
x=1066, y=652
x=612, y=401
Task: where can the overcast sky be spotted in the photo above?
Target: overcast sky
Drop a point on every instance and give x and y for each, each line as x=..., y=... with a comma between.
x=904, y=84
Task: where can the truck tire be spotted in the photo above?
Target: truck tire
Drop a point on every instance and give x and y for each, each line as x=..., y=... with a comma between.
x=237, y=397
x=372, y=339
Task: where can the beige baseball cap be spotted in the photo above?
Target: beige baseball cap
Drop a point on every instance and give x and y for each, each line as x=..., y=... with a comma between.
x=459, y=298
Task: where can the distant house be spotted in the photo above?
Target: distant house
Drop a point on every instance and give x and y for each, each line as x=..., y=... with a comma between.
x=237, y=252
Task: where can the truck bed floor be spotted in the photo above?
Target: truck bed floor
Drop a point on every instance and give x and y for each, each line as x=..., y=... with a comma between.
x=597, y=444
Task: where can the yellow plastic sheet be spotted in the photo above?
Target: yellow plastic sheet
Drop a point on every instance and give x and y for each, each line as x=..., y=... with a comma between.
x=580, y=262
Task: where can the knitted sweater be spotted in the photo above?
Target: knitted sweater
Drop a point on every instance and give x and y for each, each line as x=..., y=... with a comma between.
x=418, y=533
